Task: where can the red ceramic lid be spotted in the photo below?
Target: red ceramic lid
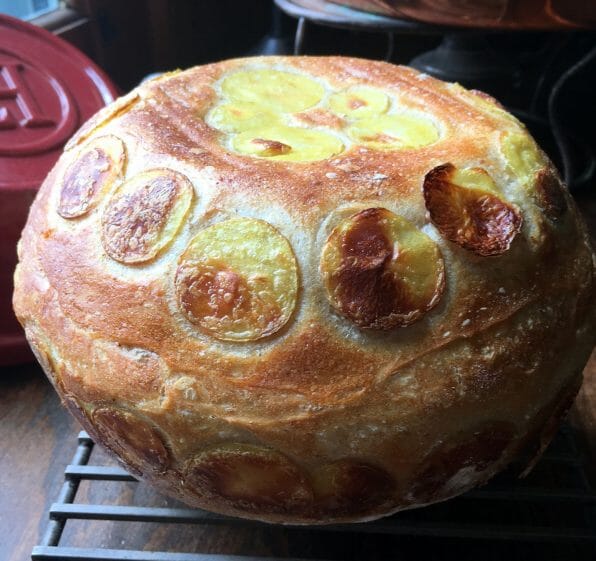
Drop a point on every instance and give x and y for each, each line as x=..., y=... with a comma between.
x=48, y=89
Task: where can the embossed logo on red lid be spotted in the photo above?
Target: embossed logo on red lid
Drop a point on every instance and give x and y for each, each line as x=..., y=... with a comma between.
x=36, y=111
x=48, y=89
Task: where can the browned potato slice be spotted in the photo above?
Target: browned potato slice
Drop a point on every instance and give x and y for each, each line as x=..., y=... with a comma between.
x=144, y=215
x=131, y=438
x=238, y=280
x=352, y=486
x=473, y=451
x=252, y=478
x=548, y=193
x=380, y=271
x=75, y=409
x=466, y=208
x=91, y=176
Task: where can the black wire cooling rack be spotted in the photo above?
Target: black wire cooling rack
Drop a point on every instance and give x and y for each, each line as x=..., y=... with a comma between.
x=552, y=513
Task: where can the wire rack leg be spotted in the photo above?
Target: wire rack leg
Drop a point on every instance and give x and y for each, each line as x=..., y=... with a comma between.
x=67, y=493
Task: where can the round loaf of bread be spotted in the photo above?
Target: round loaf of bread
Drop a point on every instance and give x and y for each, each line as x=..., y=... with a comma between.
x=308, y=290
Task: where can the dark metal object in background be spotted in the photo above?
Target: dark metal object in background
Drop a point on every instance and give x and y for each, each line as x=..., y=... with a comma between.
x=554, y=506
x=279, y=40
x=333, y=15
x=467, y=57
x=496, y=14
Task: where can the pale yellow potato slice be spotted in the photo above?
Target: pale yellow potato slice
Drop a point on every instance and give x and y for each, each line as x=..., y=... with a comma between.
x=238, y=280
x=359, y=102
x=319, y=117
x=535, y=173
x=485, y=103
x=144, y=215
x=394, y=132
x=91, y=176
x=474, y=178
x=292, y=144
x=380, y=271
x=522, y=156
x=274, y=89
x=240, y=116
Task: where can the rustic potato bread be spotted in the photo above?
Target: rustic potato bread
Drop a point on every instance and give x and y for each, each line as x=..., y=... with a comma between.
x=308, y=290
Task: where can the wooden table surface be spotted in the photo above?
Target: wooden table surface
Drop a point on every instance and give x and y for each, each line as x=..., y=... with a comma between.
x=38, y=439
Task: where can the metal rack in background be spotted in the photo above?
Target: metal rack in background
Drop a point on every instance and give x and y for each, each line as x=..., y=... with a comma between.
x=556, y=503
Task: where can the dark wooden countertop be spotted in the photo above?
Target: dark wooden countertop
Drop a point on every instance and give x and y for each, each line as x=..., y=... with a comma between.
x=38, y=439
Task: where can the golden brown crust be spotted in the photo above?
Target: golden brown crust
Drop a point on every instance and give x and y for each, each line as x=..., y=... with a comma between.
x=89, y=177
x=474, y=219
x=253, y=391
